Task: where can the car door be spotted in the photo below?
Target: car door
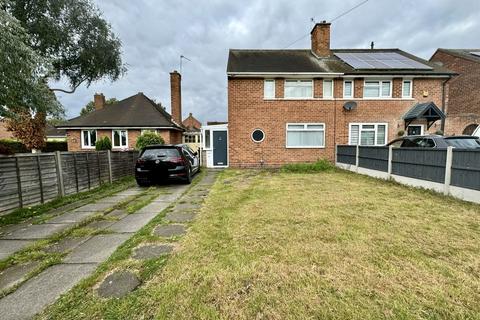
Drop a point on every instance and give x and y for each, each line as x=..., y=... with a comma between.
x=194, y=163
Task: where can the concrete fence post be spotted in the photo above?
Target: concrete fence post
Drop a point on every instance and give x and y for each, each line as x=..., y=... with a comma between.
x=448, y=170
x=336, y=153
x=356, y=157
x=109, y=157
x=390, y=157
x=58, y=162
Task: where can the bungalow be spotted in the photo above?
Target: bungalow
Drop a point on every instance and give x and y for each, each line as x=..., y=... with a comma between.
x=296, y=105
x=463, y=111
x=127, y=119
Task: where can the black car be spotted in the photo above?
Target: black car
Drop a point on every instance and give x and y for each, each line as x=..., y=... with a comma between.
x=436, y=141
x=158, y=163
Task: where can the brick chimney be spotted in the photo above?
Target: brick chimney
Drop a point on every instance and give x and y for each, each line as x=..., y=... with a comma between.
x=176, y=96
x=99, y=101
x=321, y=39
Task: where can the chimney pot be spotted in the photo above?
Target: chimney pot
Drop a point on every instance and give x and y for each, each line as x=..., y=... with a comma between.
x=176, y=96
x=99, y=101
x=320, y=37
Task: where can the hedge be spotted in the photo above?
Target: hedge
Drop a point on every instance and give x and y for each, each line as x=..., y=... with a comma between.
x=8, y=146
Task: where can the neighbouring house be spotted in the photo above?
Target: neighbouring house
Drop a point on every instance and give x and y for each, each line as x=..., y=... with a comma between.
x=125, y=120
x=463, y=108
x=193, y=133
x=296, y=105
x=54, y=134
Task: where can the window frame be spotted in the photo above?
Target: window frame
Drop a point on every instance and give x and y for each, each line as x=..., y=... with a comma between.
x=264, y=89
x=422, y=128
x=89, y=138
x=297, y=81
x=332, y=91
x=353, y=88
x=380, y=85
x=207, y=139
x=403, y=88
x=126, y=139
x=360, y=124
x=305, y=125
x=253, y=131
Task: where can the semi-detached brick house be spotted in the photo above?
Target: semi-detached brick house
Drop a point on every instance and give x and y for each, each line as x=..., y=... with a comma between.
x=295, y=105
x=463, y=110
x=123, y=121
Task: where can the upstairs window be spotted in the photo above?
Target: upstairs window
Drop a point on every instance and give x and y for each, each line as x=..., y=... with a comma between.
x=368, y=134
x=302, y=89
x=407, y=89
x=377, y=89
x=120, y=139
x=327, y=89
x=89, y=137
x=348, y=89
x=269, y=89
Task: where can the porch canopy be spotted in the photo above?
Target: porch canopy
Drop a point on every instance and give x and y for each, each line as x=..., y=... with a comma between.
x=424, y=111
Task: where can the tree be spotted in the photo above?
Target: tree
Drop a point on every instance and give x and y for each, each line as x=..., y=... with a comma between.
x=103, y=144
x=29, y=129
x=89, y=107
x=147, y=139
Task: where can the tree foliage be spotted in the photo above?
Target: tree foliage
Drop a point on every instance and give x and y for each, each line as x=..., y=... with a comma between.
x=103, y=144
x=28, y=128
x=89, y=107
x=147, y=139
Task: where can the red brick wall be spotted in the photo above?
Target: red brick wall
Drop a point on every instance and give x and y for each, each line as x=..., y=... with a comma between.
x=247, y=110
x=75, y=144
x=463, y=92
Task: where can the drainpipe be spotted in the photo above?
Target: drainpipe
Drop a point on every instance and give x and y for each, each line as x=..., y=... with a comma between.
x=442, y=125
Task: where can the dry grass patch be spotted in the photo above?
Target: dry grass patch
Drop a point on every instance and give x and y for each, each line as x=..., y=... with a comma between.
x=331, y=245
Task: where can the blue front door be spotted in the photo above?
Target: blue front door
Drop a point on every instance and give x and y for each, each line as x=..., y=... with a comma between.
x=219, y=148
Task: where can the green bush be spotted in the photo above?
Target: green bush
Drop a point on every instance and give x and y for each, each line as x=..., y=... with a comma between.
x=53, y=146
x=147, y=139
x=320, y=165
x=103, y=144
x=13, y=146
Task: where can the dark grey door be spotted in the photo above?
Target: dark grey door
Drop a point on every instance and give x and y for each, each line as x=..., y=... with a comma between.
x=219, y=148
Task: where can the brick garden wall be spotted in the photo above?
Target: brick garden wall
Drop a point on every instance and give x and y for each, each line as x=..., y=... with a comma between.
x=247, y=110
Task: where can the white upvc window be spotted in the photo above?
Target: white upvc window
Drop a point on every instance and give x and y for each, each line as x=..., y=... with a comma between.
x=269, y=89
x=89, y=137
x=377, y=89
x=368, y=134
x=407, y=88
x=120, y=138
x=305, y=135
x=348, y=89
x=295, y=89
x=327, y=89
x=206, y=142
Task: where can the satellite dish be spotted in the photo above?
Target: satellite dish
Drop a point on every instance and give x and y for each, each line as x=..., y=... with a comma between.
x=350, y=105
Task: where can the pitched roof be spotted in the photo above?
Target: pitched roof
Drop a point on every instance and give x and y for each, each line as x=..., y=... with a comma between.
x=191, y=123
x=462, y=53
x=424, y=110
x=304, y=61
x=135, y=111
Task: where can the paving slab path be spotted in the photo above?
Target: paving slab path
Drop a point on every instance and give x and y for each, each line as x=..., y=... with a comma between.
x=85, y=253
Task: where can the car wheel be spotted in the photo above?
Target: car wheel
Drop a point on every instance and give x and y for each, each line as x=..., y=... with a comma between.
x=188, y=180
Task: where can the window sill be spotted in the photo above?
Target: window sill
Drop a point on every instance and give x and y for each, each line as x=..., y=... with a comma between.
x=89, y=148
x=301, y=147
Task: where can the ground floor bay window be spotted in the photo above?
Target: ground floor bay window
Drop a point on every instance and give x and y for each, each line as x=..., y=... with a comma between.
x=367, y=134
x=120, y=138
x=305, y=135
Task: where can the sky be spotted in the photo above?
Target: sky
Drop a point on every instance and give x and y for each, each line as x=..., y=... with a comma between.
x=154, y=33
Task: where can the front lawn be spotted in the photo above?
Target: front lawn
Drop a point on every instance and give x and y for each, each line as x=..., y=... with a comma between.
x=329, y=245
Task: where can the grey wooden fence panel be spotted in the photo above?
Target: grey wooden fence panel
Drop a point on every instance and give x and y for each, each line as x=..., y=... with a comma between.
x=31, y=179
x=466, y=169
x=347, y=154
x=420, y=163
x=375, y=158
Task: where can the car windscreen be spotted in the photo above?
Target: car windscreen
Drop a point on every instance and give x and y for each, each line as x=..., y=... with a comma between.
x=463, y=143
x=160, y=153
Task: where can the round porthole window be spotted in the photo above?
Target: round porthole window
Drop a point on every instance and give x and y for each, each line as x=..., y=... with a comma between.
x=258, y=135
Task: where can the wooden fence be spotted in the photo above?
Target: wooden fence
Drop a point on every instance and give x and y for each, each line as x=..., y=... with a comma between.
x=31, y=179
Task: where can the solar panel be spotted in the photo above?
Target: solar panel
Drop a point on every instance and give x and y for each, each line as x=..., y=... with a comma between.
x=380, y=60
x=475, y=53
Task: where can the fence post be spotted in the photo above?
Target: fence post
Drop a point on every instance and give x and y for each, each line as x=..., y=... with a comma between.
x=99, y=172
x=88, y=171
x=390, y=157
x=76, y=170
x=356, y=157
x=19, y=183
x=448, y=170
x=109, y=157
x=336, y=152
x=39, y=171
x=61, y=186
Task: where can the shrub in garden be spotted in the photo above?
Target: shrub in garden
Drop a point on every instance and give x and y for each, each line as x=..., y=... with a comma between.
x=147, y=139
x=103, y=144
